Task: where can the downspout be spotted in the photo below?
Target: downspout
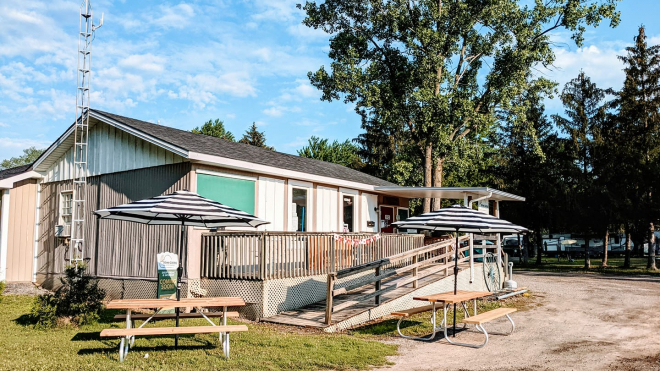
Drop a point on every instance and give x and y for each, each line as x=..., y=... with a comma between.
x=35, y=254
x=4, y=231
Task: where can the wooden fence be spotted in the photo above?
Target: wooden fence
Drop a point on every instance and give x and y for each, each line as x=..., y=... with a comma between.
x=273, y=255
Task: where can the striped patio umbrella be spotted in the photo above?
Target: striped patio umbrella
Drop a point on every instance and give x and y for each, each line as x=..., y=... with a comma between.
x=181, y=208
x=458, y=218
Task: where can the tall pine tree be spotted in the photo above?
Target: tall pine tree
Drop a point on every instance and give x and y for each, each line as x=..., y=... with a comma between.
x=255, y=138
x=638, y=126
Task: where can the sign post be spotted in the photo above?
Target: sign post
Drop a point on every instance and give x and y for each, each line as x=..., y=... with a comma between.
x=167, y=276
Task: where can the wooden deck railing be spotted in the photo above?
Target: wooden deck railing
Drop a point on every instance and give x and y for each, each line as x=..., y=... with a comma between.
x=273, y=255
x=439, y=254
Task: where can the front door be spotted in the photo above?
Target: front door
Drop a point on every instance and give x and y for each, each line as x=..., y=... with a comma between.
x=386, y=219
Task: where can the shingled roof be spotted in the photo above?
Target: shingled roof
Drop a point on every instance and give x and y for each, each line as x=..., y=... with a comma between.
x=244, y=152
x=8, y=173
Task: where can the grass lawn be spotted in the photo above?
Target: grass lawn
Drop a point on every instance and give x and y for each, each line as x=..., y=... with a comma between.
x=420, y=324
x=263, y=347
x=614, y=266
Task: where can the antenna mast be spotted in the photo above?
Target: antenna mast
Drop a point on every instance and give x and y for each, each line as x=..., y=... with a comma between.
x=81, y=140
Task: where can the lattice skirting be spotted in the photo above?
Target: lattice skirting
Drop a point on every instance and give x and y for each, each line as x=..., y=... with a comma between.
x=406, y=301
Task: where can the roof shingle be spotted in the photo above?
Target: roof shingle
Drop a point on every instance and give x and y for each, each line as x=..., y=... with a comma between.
x=8, y=173
x=244, y=152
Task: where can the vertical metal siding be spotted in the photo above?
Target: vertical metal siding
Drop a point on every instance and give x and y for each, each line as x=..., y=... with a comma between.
x=112, y=150
x=114, y=248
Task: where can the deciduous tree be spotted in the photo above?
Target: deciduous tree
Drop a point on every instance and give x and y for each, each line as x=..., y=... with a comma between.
x=29, y=156
x=214, y=129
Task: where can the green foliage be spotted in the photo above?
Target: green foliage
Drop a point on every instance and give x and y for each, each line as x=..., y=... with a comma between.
x=255, y=138
x=3, y=285
x=214, y=129
x=434, y=73
x=263, y=347
x=79, y=300
x=28, y=157
x=343, y=153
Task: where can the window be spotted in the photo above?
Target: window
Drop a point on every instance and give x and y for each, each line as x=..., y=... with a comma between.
x=300, y=214
x=402, y=214
x=235, y=191
x=66, y=207
x=349, y=208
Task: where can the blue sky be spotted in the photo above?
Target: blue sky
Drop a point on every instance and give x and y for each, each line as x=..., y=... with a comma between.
x=186, y=62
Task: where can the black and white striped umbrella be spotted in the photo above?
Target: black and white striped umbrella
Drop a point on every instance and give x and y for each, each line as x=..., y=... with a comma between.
x=181, y=208
x=460, y=218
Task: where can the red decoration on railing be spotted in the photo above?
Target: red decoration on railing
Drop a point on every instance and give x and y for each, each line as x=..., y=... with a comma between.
x=357, y=241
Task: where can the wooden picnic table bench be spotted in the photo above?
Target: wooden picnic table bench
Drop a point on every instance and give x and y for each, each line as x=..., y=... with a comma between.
x=448, y=298
x=128, y=334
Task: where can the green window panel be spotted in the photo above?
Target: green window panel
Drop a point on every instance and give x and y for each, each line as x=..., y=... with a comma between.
x=237, y=193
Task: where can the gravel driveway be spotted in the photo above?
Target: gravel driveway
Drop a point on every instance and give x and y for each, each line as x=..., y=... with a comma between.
x=579, y=322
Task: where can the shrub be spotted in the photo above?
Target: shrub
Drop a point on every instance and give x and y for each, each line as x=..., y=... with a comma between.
x=2, y=287
x=78, y=301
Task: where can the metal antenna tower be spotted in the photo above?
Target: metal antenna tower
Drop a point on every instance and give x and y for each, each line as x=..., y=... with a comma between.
x=81, y=133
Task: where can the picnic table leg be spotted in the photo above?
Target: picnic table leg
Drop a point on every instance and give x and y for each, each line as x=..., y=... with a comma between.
x=225, y=336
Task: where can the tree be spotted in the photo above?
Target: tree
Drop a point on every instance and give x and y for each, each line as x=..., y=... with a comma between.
x=29, y=156
x=638, y=126
x=438, y=70
x=584, y=115
x=214, y=129
x=343, y=153
x=255, y=138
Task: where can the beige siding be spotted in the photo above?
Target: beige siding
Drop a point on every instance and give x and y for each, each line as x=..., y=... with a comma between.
x=112, y=150
x=20, y=241
x=115, y=248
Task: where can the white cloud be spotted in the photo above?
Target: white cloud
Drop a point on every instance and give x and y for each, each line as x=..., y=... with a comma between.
x=22, y=143
x=231, y=115
x=298, y=142
x=3, y=125
x=144, y=62
x=277, y=10
x=177, y=16
x=274, y=111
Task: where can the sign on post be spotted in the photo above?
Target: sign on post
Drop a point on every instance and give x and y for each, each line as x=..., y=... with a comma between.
x=167, y=276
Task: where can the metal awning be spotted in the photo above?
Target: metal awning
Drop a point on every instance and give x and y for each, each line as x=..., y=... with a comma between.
x=452, y=193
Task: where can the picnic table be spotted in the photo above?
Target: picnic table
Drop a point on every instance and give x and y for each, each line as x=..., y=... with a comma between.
x=128, y=334
x=461, y=297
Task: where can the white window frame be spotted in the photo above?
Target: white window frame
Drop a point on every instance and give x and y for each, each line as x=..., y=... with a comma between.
x=356, y=208
x=62, y=215
x=309, y=187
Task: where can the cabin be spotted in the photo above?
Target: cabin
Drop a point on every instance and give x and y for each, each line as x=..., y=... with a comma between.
x=323, y=217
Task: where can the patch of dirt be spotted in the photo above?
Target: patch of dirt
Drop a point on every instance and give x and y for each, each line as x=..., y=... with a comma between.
x=572, y=322
x=24, y=288
x=648, y=363
x=580, y=345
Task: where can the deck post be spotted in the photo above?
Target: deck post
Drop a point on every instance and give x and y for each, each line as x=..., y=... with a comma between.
x=415, y=259
x=328, y=300
x=378, y=285
x=472, y=257
x=262, y=257
x=499, y=250
x=332, y=255
x=506, y=266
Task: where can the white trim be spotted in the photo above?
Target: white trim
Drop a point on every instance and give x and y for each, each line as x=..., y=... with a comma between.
x=4, y=231
x=35, y=252
x=299, y=184
x=310, y=204
x=447, y=192
x=170, y=147
x=275, y=171
x=52, y=147
x=226, y=175
x=8, y=183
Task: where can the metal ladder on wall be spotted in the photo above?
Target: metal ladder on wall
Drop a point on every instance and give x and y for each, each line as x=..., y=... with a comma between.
x=81, y=133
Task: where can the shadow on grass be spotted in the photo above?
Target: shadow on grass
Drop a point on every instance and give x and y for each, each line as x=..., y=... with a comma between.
x=25, y=320
x=157, y=348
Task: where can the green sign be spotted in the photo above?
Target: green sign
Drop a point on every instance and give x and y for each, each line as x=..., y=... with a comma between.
x=167, y=266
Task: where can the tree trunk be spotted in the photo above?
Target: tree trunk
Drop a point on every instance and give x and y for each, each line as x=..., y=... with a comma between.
x=539, y=247
x=428, y=174
x=587, y=260
x=626, y=262
x=651, y=262
x=606, y=242
x=437, y=182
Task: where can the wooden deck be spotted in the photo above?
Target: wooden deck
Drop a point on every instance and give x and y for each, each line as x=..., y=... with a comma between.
x=313, y=315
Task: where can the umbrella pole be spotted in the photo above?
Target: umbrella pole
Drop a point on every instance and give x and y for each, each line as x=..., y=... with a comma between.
x=455, y=280
x=179, y=272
